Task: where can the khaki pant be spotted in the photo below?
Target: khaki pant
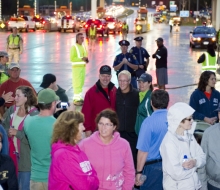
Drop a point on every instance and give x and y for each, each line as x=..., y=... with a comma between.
x=38, y=185
x=14, y=55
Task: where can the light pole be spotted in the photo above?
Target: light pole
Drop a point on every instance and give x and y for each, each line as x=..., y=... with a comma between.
x=35, y=7
x=0, y=10
x=17, y=7
x=197, y=5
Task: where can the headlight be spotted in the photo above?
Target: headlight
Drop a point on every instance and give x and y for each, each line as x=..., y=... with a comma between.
x=138, y=27
x=194, y=39
x=198, y=39
x=213, y=39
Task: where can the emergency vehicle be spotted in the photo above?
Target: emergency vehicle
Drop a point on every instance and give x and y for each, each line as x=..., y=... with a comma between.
x=141, y=23
x=66, y=23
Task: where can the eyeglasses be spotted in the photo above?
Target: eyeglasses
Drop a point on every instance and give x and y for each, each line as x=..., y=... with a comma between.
x=123, y=81
x=105, y=124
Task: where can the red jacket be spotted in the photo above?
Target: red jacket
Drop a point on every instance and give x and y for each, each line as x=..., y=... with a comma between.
x=96, y=100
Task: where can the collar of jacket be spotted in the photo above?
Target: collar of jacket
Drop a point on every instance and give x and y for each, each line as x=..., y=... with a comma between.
x=120, y=92
x=100, y=89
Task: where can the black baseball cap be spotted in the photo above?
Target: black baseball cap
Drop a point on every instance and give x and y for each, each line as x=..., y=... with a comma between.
x=145, y=77
x=159, y=39
x=47, y=80
x=105, y=69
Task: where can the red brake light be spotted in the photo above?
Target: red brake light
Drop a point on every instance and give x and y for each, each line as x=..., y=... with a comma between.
x=100, y=26
x=43, y=22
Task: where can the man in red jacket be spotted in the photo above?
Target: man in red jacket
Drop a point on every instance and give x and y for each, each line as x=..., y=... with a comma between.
x=99, y=97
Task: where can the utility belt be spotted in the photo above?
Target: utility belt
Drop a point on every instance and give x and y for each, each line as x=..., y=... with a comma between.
x=92, y=37
x=14, y=48
x=152, y=162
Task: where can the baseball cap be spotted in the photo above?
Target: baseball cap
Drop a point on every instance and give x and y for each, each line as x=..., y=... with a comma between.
x=105, y=69
x=3, y=54
x=159, y=39
x=13, y=65
x=145, y=77
x=47, y=80
x=47, y=96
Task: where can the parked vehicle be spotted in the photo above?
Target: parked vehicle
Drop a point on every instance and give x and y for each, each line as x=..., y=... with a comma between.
x=100, y=24
x=39, y=22
x=22, y=23
x=202, y=36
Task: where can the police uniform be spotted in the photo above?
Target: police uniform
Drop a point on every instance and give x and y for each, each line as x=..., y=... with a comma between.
x=140, y=53
x=14, y=47
x=131, y=59
x=3, y=68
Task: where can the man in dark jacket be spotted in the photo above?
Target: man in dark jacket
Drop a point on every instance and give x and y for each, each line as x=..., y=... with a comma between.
x=161, y=64
x=8, y=178
x=127, y=101
x=49, y=81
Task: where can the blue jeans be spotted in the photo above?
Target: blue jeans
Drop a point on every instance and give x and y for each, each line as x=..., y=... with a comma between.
x=24, y=180
x=134, y=82
x=211, y=187
x=154, y=175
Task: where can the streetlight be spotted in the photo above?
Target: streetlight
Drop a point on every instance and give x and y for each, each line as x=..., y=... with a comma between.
x=0, y=10
x=17, y=7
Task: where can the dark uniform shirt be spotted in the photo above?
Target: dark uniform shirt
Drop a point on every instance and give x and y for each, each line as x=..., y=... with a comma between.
x=131, y=59
x=161, y=57
x=140, y=54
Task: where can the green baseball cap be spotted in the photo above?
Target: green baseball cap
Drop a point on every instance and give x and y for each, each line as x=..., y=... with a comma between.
x=47, y=96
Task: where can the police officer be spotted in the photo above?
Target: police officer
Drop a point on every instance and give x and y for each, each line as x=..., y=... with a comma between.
x=14, y=46
x=126, y=61
x=141, y=54
x=3, y=67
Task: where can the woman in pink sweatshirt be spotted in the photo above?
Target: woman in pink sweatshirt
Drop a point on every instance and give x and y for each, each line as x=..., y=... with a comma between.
x=110, y=154
x=70, y=167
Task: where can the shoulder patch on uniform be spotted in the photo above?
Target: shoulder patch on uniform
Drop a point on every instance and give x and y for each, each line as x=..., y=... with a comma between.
x=134, y=56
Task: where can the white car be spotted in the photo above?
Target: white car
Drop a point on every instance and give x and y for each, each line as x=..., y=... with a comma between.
x=22, y=23
x=67, y=23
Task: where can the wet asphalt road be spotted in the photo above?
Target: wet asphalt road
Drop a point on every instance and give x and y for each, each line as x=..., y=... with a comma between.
x=49, y=53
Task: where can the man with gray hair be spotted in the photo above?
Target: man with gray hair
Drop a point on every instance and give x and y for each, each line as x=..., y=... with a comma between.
x=127, y=101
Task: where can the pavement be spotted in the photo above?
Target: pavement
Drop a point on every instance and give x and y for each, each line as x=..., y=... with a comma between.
x=50, y=52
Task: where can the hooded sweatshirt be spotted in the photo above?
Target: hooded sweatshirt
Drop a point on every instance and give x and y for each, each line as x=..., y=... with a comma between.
x=113, y=162
x=174, y=147
x=70, y=169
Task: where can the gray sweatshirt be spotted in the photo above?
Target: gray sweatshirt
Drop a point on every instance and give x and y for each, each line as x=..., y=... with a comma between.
x=210, y=144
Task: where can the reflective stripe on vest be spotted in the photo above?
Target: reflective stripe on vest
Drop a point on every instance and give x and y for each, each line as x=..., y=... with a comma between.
x=14, y=40
x=124, y=26
x=209, y=63
x=92, y=31
x=78, y=55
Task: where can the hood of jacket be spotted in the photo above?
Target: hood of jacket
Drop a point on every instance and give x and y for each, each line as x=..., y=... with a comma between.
x=60, y=145
x=176, y=114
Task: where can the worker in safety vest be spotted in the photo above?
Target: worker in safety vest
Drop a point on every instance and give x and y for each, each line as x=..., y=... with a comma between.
x=124, y=30
x=14, y=46
x=92, y=36
x=3, y=67
x=208, y=59
x=79, y=58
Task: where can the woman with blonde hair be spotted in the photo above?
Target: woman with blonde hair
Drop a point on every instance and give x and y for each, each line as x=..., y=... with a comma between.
x=70, y=167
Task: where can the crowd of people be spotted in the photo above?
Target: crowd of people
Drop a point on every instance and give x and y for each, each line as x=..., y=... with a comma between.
x=131, y=141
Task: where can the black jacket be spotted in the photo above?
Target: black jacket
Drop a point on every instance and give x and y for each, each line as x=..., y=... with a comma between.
x=8, y=178
x=161, y=57
x=126, y=108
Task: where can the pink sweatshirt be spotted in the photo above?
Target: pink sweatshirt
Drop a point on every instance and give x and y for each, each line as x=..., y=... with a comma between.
x=70, y=169
x=113, y=162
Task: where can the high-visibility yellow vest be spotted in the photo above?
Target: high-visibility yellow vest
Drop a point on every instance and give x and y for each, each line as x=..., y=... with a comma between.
x=3, y=77
x=92, y=32
x=210, y=63
x=125, y=26
x=14, y=40
x=80, y=53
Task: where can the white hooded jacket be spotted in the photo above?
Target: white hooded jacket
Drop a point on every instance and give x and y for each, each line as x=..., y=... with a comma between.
x=174, y=147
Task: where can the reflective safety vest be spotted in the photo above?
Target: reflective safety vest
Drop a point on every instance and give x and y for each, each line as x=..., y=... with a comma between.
x=210, y=63
x=3, y=77
x=124, y=26
x=14, y=40
x=92, y=32
x=79, y=54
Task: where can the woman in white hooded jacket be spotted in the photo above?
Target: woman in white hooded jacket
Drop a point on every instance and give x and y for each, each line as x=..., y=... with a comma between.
x=179, y=141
